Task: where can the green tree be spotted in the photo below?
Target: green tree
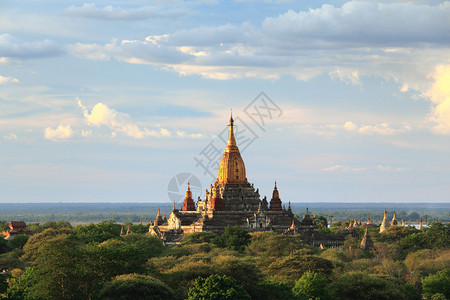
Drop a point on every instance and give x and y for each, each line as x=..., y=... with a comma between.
x=17, y=242
x=437, y=235
x=272, y=289
x=371, y=287
x=20, y=287
x=3, y=245
x=116, y=257
x=235, y=238
x=98, y=233
x=150, y=245
x=320, y=221
x=437, y=283
x=136, y=286
x=312, y=286
x=292, y=267
x=4, y=282
x=198, y=238
x=34, y=243
x=217, y=287
x=11, y=260
x=272, y=244
x=60, y=271
x=438, y=296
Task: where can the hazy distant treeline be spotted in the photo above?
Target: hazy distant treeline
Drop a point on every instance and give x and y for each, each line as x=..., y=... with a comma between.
x=143, y=212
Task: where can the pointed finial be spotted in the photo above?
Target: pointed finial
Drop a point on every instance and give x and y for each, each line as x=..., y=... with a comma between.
x=231, y=139
x=275, y=184
x=173, y=208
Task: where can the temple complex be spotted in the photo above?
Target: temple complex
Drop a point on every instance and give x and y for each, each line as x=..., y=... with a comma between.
x=16, y=228
x=231, y=200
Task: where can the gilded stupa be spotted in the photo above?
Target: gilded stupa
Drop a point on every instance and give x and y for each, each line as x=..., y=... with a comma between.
x=232, y=167
x=231, y=200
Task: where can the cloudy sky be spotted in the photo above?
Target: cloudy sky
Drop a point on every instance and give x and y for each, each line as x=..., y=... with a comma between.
x=338, y=101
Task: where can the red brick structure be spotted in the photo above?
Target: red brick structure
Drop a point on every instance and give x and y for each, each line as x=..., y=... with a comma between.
x=16, y=228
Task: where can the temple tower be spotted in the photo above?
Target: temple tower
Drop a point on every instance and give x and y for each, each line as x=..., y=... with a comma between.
x=236, y=192
x=216, y=202
x=275, y=202
x=188, y=203
x=394, y=221
x=231, y=168
x=366, y=243
x=384, y=223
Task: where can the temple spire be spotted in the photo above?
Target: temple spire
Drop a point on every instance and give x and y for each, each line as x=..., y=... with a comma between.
x=231, y=139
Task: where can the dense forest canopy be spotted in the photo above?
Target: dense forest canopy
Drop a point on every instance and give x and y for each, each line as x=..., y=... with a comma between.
x=95, y=261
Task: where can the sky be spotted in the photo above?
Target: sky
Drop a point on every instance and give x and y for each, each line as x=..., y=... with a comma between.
x=127, y=101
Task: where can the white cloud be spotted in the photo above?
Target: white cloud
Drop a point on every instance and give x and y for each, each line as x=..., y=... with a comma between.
x=382, y=129
x=12, y=47
x=11, y=136
x=7, y=79
x=388, y=168
x=439, y=94
x=376, y=129
x=362, y=23
x=86, y=133
x=102, y=115
x=192, y=135
x=90, y=10
x=350, y=126
x=358, y=39
x=343, y=168
x=348, y=76
x=133, y=52
x=62, y=132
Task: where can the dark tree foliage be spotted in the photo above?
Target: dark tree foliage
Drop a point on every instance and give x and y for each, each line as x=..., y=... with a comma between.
x=21, y=287
x=136, y=286
x=17, y=242
x=396, y=233
x=437, y=235
x=371, y=287
x=136, y=228
x=116, y=257
x=217, y=287
x=271, y=244
x=320, y=221
x=272, y=289
x=32, y=247
x=150, y=245
x=3, y=246
x=198, y=238
x=437, y=283
x=98, y=233
x=4, y=225
x=60, y=271
x=293, y=266
x=10, y=260
x=312, y=286
x=235, y=238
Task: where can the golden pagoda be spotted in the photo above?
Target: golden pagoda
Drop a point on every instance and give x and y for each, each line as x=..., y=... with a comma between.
x=232, y=168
